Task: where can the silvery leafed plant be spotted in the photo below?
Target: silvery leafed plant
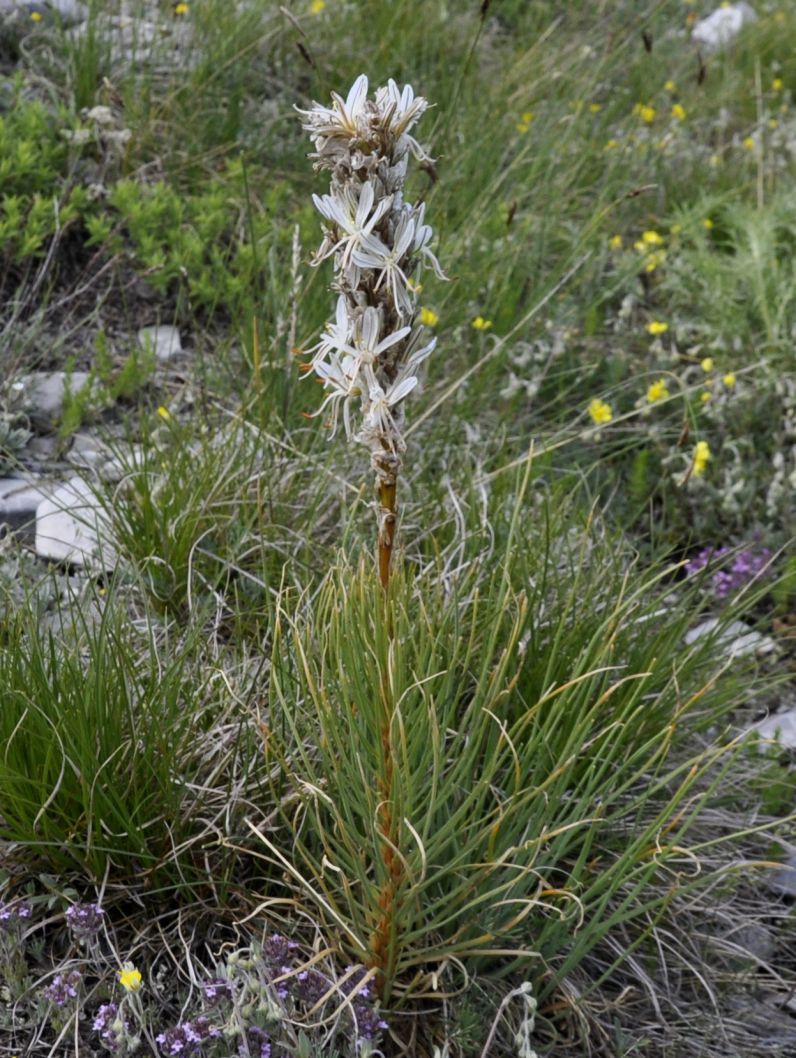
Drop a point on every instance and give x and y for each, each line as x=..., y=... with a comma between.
x=369, y=355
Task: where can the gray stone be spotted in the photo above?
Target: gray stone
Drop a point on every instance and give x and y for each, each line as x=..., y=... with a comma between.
x=783, y=880
x=87, y=451
x=122, y=464
x=19, y=501
x=736, y=638
x=45, y=395
x=42, y=449
x=164, y=341
x=753, y=940
x=780, y=727
x=723, y=25
x=57, y=12
x=72, y=527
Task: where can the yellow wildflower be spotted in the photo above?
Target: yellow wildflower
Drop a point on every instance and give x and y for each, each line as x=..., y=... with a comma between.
x=615, y=242
x=481, y=324
x=647, y=114
x=129, y=977
x=658, y=391
x=36, y=16
x=729, y=379
x=749, y=143
x=653, y=260
x=707, y=224
x=595, y=108
x=773, y=123
x=429, y=317
x=652, y=238
x=181, y=9
x=702, y=457
x=317, y=6
x=525, y=121
x=714, y=161
x=705, y=397
x=670, y=86
x=600, y=412
x=656, y=327
x=611, y=145
x=164, y=413
x=777, y=84
x=707, y=364
x=678, y=112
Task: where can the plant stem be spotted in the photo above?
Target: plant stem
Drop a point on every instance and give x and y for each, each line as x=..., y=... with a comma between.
x=387, y=510
x=382, y=940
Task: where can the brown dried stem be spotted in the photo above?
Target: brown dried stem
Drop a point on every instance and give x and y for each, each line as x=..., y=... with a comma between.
x=387, y=481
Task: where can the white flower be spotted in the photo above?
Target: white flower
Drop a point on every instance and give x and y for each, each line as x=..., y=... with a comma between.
x=400, y=109
x=415, y=357
x=378, y=414
x=367, y=347
x=335, y=336
x=352, y=215
x=374, y=254
x=100, y=115
x=339, y=120
x=342, y=389
x=423, y=236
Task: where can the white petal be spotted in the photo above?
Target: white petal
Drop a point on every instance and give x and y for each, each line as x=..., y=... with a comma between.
x=399, y=391
x=369, y=332
x=404, y=235
x=357, y=94
x=391, y=339
x=365, y=203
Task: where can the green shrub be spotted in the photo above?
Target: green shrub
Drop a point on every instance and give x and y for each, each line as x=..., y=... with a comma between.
x=494, y=766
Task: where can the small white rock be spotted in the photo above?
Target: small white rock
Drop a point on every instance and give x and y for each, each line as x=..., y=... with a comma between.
x=72, y=527
x=19, y=501
x=45, y=395
x=783, y=879
x=780, y=727
x=164, y=341
x=87, y=451
x=722, y=25
x=67, y=12
x=736, y=638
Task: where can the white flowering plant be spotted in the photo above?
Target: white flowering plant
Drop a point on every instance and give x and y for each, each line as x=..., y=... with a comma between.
x=368, y=357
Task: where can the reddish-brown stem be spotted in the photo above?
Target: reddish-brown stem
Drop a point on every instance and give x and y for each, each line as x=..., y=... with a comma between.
x=387, y=509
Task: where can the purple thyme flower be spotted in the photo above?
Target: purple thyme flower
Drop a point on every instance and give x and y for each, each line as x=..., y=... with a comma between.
x=110, y=1026
x=12, y=914
x=259, y=1043
x=309, y=986
x=216, y=990
x=278, y=952
x=278, y=959
x=84, y=920
x=367, y=1021
x=744, y=567
x=187, y=1038
x=63, y=987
